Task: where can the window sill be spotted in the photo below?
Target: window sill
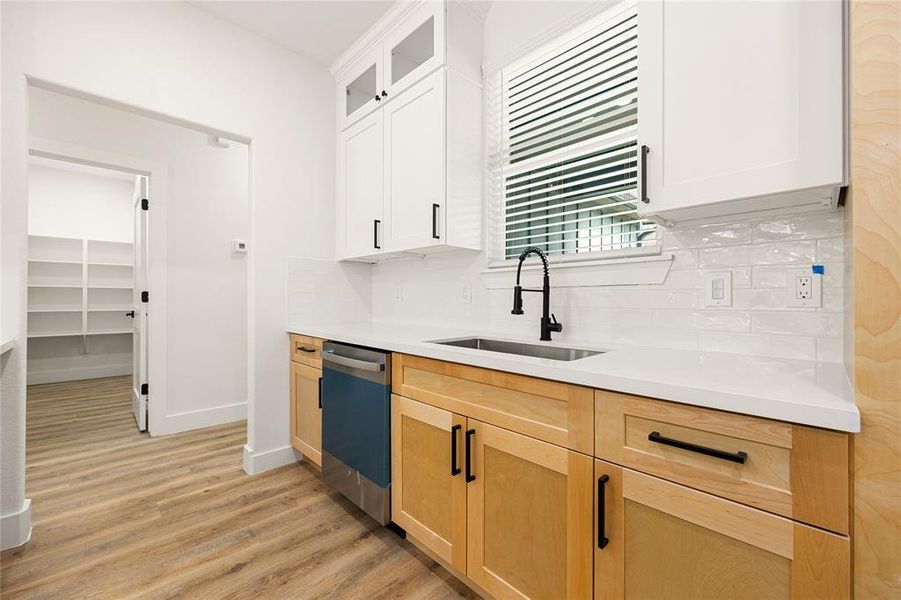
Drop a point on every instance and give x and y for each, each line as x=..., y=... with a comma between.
x=641, y=269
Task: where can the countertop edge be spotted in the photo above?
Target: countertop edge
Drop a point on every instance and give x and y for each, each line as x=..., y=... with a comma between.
x=844, y=418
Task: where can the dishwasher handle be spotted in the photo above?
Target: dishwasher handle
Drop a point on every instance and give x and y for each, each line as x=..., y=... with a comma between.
x=354, y=363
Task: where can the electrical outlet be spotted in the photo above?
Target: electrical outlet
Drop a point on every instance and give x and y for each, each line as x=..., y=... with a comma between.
x=718, y=288
x=804, y=287
x=467, y=294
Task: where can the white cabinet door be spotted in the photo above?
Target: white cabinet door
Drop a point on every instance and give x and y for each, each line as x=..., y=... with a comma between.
x=359, y=91
x=414, y=47
x=360, y=180
x=739, y=99
x=414, y=166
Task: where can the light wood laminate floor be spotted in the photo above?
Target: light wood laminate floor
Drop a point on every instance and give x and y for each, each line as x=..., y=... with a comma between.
x=118, y=514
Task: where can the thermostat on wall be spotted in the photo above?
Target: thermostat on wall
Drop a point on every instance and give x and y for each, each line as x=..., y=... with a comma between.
x=239, y=246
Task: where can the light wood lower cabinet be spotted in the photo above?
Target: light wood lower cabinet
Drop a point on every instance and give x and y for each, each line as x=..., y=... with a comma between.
x=428, y=490
x=306, y=411
x=664, y=540
x=511, y=513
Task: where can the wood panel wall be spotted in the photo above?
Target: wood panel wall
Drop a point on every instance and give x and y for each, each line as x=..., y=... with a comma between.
x=875, y=204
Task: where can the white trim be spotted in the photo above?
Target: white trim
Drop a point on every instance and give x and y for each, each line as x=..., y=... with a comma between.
x=635, y=270
x=7, y=345
x=372, y=37
x=15, y=528
x=77, y=373
x=571, y=25
x=197, y=419
x=259, y=462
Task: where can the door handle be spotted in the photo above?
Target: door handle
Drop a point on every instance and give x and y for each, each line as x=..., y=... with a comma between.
x=469, y=475
x=131, y=314
x=455, y=469
x=375, y=234
x=644, y=151
x=737, y=457
x=602, y=511
x=435, y=208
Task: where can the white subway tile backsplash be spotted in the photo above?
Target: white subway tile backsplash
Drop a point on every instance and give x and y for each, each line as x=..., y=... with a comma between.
x=756, y=251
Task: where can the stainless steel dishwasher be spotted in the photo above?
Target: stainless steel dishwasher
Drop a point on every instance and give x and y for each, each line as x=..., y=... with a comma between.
x=356, y=426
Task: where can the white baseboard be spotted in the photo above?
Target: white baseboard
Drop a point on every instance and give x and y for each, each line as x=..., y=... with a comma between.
x=197, y=419
x=15, y=528
x=259, y=462
x=76, y=374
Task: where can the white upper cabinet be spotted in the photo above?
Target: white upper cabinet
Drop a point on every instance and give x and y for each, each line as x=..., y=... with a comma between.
x=360, y=89
x=409, y=158
x=360, y=191
x=741, y=106
x=414, y=177
x=414, y=47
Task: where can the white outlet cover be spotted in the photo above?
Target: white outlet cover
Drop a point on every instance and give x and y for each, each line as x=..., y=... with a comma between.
x=797, y=293
x=718, y=288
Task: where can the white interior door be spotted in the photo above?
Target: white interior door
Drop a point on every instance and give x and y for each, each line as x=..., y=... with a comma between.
x=139, y=321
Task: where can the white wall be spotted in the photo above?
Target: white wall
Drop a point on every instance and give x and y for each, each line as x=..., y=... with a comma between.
x=67, y=201
x=205, y=207
x=198, y=69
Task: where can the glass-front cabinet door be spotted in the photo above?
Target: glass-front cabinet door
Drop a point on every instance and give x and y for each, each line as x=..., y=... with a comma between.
x=414, y=48
x=360, y=89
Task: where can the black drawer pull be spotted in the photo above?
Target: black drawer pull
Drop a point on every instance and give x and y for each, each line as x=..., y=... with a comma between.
x=469, y=475
x=737, y=457
x=455, y=469
x=305, y=349
x=320, y=392
x=602, y=511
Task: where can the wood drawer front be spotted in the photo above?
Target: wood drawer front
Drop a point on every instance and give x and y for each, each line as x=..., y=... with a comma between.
x=792, y=470
x=306, y=350
x=555, y=412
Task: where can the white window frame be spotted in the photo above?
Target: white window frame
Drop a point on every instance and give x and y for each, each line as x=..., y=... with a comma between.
x=498, y=145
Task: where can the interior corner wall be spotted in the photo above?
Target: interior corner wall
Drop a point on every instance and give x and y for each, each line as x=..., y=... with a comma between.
x=199, y=70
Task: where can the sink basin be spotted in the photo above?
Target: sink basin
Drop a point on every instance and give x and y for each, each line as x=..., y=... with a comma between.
x=536, y=350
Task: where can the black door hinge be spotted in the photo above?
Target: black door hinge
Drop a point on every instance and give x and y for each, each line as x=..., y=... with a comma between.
x=145, y=204
x=144, y=388
x=145, y=296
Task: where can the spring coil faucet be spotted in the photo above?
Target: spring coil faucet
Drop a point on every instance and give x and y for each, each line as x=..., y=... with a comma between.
x=548, y=321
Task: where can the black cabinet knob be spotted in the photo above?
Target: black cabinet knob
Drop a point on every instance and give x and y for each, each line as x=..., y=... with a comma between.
x=377, y=98
x=131, y=314
x=384, y=94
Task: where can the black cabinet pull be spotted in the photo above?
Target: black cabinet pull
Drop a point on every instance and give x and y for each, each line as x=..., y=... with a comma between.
x=384, y=94
x=307, y=350
x=377, y=99
x=737, y=457
x=644, y=174
x=131, y=314
x=435, y=208
x=375, y=234
x=602, y=511
x=469, y=475
x=455, y=469
x=320, y=392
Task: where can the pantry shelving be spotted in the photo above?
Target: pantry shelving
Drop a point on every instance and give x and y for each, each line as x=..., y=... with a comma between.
x=79, y=287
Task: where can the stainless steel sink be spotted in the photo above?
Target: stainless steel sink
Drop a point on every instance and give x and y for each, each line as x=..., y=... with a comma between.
x=536, y=350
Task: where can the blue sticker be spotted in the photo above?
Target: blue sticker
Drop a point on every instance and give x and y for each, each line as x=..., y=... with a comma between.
x=818, y=269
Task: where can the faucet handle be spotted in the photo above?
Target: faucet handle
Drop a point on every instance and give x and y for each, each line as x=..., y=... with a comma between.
x=554, y=325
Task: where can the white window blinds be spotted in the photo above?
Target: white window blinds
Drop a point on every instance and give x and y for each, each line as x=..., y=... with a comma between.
x=569, y=153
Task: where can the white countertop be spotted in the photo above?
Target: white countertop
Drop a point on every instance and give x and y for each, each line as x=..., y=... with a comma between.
x=796, y=391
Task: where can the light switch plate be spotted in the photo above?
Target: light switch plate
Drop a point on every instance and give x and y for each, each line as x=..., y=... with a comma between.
x=803, y=288
x=718, y=288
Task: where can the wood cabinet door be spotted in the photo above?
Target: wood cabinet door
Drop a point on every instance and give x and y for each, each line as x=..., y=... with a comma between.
x=428, y=495
x=358, y=226
x=415, y=165
x=656, y=539
x=726, y=117
x=306, y=411
x=529, y=516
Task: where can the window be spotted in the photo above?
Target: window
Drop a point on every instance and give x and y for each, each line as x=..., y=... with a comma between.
x=568, y=153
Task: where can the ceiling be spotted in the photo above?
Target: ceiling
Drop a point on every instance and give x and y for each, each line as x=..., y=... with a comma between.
x=318, y=29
